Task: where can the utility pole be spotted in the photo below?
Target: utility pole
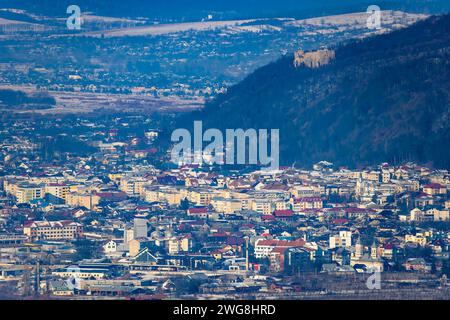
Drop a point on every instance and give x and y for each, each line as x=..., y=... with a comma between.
x=47, y=285
x=38, y=279
x=26, y=283
x=246, y=254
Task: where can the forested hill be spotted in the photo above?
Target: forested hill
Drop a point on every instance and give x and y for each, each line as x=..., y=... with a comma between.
x=385, y=98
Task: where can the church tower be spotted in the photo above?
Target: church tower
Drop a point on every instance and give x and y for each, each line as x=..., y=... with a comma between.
x=374, y=250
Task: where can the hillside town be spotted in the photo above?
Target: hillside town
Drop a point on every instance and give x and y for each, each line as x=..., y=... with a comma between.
x=111, y=224
x=93, y=207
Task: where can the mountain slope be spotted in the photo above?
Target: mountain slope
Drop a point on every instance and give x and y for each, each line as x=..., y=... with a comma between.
x=386, y=98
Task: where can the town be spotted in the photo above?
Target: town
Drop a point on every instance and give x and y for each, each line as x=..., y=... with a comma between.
x=101, y=197
x=97, y=211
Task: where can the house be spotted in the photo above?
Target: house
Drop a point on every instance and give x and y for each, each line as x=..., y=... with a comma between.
x=42, y=205
x=198, y=212
x=417, y=239
x=110, y=247
x=264, y=247
x=423, y=200
x=447, y=204
x=417, y=264
x=388, y=251
x=284, y=215
x=416, y=215
x=434, y=189
x=78, y=212
x=61, y=288
x=354, y=212
x=438, y=214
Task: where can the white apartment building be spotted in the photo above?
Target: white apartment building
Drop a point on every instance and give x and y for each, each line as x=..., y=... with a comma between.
x=343, y=239
x=26, y=192
x=227, y=206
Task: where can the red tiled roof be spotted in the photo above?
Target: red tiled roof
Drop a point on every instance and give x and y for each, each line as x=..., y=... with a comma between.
x=112, y=195
x=339, y=221
x=198, y=210
x=283, y=213
x=281, y=243
x=219, y=235
x=279, y=250
x=52, y=224
x=235, y=241
x=28, y=224
x=356, y=210
x=307, y=199
x=434, y=186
